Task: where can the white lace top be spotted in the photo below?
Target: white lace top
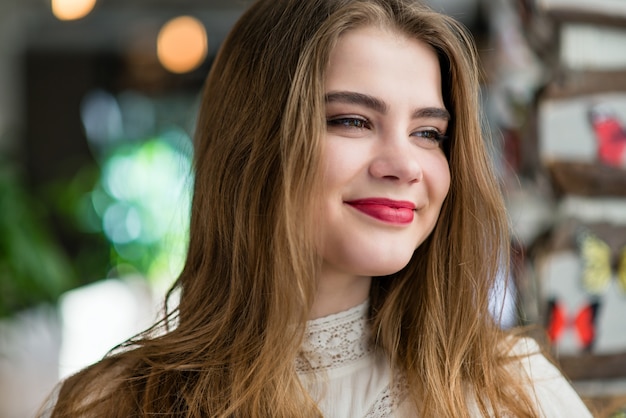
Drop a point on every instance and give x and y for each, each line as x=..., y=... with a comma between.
x=349, y=379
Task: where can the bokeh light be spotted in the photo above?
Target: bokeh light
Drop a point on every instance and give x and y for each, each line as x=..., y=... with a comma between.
x=182, y=44
x=102, y=120
x=72, y=9
x=140, y=202
x=143, y=200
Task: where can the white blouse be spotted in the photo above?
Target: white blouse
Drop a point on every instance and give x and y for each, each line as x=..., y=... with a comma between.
x=349, y=379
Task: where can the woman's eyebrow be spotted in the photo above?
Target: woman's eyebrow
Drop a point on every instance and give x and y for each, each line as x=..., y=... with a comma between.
x=432, y=112
x=380, y=106
x=351, y=97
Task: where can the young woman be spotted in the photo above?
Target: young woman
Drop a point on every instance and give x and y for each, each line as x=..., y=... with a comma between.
x=346, y=229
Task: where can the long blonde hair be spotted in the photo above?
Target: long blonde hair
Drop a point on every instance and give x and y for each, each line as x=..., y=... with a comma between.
x=249, y=280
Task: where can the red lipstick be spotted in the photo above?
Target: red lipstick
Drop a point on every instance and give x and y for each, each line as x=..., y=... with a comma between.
x=399, y=212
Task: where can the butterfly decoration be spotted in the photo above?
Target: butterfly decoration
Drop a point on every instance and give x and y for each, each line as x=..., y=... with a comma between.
x=597, y=263
x=583, y=322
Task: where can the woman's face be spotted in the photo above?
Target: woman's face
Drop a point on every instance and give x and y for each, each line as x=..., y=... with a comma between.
x=385, y=174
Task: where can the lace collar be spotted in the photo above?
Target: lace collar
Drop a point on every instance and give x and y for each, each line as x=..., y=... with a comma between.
x=336, y=340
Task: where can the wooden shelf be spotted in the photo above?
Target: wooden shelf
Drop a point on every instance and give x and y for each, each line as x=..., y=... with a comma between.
x=587, y=179
x=593, y=366
x=572, y=14
x=568, y=84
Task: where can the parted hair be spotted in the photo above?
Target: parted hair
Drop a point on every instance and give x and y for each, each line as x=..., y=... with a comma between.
x=229, y=347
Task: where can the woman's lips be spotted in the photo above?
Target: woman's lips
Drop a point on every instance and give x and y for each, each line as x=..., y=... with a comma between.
x=399, y=212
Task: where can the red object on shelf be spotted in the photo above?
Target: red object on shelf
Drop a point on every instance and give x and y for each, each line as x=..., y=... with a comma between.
x=610, y=135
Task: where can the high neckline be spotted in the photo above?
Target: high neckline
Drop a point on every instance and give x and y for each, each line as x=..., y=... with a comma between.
x=335, y=341
x=359, y=310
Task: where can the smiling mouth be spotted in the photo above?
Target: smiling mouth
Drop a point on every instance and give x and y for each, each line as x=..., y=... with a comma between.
x=397, y=212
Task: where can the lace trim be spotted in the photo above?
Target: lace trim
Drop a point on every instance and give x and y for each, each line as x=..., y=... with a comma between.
x=335, y=341
x=388, y=400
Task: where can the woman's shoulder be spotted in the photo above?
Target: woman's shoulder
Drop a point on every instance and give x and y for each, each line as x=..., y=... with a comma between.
x=553, y=392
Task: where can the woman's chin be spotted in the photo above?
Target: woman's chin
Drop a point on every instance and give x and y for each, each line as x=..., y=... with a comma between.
x=389, y=268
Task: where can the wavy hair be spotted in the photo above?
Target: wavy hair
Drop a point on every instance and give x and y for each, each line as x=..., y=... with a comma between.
x=250, y=275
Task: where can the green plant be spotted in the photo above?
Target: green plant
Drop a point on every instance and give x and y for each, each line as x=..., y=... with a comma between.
x=33, y=267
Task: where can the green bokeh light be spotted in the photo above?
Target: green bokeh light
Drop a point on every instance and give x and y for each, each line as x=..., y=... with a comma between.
x=143, y=203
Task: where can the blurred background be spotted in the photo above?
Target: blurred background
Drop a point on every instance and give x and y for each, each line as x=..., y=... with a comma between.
x=98, y=100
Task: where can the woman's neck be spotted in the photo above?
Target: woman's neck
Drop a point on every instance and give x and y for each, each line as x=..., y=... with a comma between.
x=337, y=293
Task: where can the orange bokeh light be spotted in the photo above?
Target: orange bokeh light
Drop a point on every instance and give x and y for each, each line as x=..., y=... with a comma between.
x=72, y=9
x=182, y=44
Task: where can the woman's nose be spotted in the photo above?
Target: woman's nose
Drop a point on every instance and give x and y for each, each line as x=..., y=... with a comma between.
x=396, y=159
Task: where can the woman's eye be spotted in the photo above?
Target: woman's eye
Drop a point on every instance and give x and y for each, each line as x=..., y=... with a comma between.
x=349, y=123
x=433, y=136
